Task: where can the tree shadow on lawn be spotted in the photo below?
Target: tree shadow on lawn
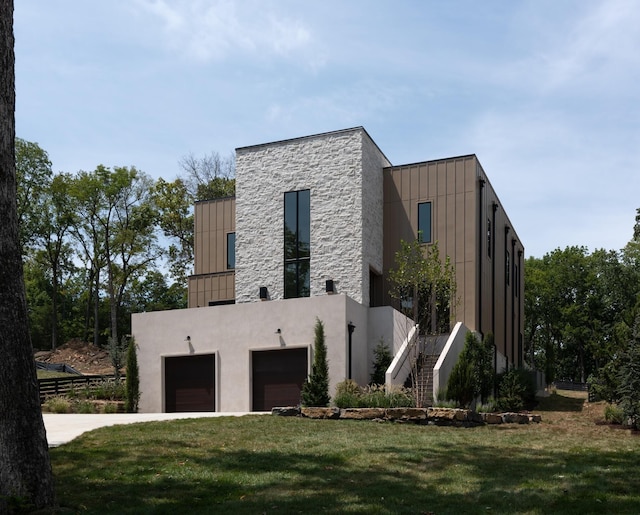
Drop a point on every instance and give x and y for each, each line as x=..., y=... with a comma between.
x=557, y=402
x=398, y=479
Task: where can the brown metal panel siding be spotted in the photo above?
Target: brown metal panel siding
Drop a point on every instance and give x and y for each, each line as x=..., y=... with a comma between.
x=278, y=376
x=189, y=383
x=213, y=221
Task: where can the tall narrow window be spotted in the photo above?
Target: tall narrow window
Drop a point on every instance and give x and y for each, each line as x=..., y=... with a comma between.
x=424, y=222
x=489, y=237
x=507, y=268
x=231, y=250
x=297, y=243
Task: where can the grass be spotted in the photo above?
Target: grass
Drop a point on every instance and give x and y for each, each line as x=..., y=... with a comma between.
x=263, y=464
x=50, y=374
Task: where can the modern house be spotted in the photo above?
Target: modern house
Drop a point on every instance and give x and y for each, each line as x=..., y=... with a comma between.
x=312, y=234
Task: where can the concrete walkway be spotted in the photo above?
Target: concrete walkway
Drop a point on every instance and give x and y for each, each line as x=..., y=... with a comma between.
x=64, y=428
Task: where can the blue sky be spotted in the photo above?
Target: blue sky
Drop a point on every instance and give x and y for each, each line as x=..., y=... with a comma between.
x=546, y=93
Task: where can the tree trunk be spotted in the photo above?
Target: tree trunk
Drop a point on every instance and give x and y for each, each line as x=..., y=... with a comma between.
x=25, y=470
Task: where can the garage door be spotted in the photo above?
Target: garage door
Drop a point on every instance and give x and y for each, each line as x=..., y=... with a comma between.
x=189, y=383
x=277, y=377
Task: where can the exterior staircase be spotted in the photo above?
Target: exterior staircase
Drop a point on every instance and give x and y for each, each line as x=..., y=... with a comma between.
x=424, y=378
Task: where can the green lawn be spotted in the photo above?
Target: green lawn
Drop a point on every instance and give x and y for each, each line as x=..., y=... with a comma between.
x=264, y=464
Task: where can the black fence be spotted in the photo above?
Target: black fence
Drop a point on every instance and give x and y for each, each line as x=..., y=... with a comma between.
x=62, y=385
x=570, y=385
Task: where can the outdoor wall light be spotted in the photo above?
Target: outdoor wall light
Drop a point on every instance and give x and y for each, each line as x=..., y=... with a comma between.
x=330, y=286
x=264, y=294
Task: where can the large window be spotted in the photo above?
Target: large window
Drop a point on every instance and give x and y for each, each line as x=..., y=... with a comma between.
x=424, y=222
x=231, y=250
x=297, y=243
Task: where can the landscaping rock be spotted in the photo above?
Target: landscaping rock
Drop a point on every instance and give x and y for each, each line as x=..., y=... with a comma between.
x=515, y=418
x=320, y=412
x=413, y=414
x=286, y=411
x=492, y=418
x=362, y=413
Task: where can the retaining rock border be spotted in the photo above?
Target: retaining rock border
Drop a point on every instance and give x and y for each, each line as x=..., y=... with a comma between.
x=425, y=416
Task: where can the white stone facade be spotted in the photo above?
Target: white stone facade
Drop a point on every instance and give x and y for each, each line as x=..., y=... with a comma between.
x=343, y=171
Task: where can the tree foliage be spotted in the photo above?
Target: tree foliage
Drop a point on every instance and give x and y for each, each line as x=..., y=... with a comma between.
x=315, y=390
x=579, y=309
x=628, y=391
x=472, y=376
x=210, y=176
x=424, y=286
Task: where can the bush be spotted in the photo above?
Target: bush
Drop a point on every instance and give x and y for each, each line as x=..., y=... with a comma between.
x=613, y=414
x=110, y=408
x=84, y=407
x=382, y=360
x=347, y=395
x=472, y=375
x=350, y=395
x=516, y=389
x=108, y=390
x=57, y=405
x=491, y=406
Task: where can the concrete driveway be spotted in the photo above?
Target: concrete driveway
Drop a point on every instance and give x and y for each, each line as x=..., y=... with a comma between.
x=64, y=428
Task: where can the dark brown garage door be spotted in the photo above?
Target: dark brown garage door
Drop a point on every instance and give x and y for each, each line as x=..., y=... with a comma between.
x=277, y=377
x=189, y=383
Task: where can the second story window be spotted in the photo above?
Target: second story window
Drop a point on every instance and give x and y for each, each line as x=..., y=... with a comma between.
x=231, y=250
x=297, y=243
x=424, y=222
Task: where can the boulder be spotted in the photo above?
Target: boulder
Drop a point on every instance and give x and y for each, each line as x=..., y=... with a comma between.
x=362, y=413
x=286, y=411
x=320, y=412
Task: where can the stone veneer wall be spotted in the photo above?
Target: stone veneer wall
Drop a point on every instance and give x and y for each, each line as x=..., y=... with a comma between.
x=346, y=209
x=373, y=160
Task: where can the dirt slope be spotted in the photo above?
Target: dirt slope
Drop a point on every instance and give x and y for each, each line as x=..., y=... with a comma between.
x=85, y=357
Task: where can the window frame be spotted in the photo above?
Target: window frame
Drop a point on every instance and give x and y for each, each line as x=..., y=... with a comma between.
x=297, y=244
x=231, y=248
x=420, y=229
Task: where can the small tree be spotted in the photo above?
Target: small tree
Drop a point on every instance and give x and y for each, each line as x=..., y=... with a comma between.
x=382, y=359
x=472, y=375
x=315, y=390
x=425, y=289
x=132, y=385
x=117, y=354
x=483, y=367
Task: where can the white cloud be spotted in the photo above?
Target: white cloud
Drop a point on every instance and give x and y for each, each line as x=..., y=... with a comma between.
x=215, y=30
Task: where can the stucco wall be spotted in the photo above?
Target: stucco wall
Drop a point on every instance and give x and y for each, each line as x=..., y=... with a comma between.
x=331, y=166
x=231, y=332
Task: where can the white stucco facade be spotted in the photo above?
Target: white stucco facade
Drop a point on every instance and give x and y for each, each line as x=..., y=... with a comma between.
x=233, y=332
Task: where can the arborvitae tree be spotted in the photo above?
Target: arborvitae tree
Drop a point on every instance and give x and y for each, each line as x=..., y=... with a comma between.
x=132, y=385
x=315, y=390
